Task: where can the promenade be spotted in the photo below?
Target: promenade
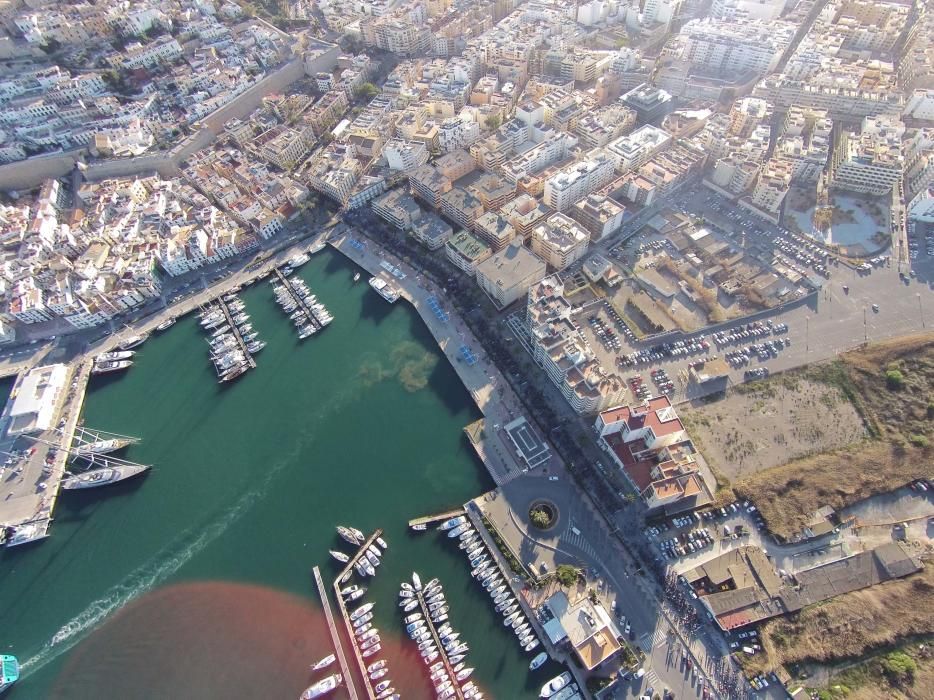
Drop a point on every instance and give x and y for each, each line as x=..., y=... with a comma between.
x=490, y=391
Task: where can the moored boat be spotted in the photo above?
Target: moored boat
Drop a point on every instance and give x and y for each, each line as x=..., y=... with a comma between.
x=322, y=687
x=554, y=685
x=323, y=663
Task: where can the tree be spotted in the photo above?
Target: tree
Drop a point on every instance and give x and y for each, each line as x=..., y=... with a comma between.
x=367, y=91
x=567, y=575
x=539, y=518
x=493, y=121
x=894, y=379
x=899, y=667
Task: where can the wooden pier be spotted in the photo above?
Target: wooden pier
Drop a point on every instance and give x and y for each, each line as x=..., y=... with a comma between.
x=236, y=332
x=438, y=517
x=335, y=637
x=309, y=312
x=345, y=613
x=429, y=623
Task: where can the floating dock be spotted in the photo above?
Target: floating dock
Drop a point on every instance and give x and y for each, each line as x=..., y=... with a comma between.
x=437, y=518
x=309, y=312
x=361, y=662
x=335, y=637
x=236, y=332
x=442, y=652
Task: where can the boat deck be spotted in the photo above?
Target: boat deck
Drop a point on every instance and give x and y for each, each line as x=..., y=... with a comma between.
x=236, y=332
x=429, y=623
x=335, y=637
x=437, y=518
x=309, y=312
x=345, y=613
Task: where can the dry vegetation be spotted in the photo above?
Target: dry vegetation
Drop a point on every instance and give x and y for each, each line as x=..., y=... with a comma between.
x=853, y=624
x=898, y=417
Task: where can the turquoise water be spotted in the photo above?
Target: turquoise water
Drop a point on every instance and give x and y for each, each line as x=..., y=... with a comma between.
x=195, y=580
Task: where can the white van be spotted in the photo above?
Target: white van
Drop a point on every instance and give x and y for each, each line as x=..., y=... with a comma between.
x=575, y=530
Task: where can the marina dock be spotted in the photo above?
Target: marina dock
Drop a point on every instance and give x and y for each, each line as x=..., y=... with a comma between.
x=309, y=312
x=236, y=332
x=335, y=637
x=430, y=624
x=437, y=518
x=345, y=613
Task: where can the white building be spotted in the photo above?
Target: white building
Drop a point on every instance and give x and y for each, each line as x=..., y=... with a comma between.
x=405, y=155
x=38, y=398
x=560, y=241
x=733, y=48
x=576, y=181
x=636, y=149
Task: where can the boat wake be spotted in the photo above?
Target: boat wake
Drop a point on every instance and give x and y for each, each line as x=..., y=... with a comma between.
x=149, y=575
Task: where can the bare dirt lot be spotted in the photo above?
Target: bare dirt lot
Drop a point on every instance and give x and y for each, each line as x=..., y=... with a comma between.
x=890, y=386
x=766, y=424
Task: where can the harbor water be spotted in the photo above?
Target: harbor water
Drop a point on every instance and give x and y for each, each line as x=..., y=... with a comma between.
x=195, y=580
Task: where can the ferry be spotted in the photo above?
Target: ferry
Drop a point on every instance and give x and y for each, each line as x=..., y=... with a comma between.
x=115, y=356
x=103, y=476
x=166, y=324
x=134, y=341
x=322, y=687
x=104, y=367
x=9, y=671
x=384, y=289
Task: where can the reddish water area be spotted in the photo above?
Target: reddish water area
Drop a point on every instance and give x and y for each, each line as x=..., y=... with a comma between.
x=202, y=640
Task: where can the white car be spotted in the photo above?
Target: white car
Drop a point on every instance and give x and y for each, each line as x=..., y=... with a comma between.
x=552, y=478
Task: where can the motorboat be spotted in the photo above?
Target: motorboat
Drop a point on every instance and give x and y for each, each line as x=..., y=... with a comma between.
x=406, y=586
x=431, y=584
x=370, y=642
x=464, y=674
x=362, y=610
x=323, y=663
x=369, y=634
x=413, y=617
x=406, y=594
x=340, y=556
x=361, y=621
x=387, y=694
x=376, y=675
x=465, y=534
x=380, y=687
x=376, y=666
x=114, y=356
x=522, y=630
x=356, y=533
x=382, y=543
x=348, y=535
x=510, y=610
x=355, y=595
x=554, y=685
x=166, y=324
x=470, y=544
x=479, y=559
x=538, y=661
x=411, y=605
x=456, y=658
x=452, y=523
x=105, y=367
x=420, y=527
x=531, y=645
x=416, y=581
x=322, y=687
x=362, y=630
x=372, y=558
x=459, y=530
x=510, y=619
x=367, y=653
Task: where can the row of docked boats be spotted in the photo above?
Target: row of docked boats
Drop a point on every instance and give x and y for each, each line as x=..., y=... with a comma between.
x=439, y=644
x=112, y=361
x=484, y=569
x=232, y=340
x=305, y=311
x=366, y=559
x=368, y=642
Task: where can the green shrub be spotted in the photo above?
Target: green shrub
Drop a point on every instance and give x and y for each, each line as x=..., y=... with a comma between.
x=894, y=379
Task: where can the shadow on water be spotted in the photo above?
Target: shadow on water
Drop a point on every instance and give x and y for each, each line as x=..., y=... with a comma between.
x=374, y=308
x=335, y=263
x=442, y=380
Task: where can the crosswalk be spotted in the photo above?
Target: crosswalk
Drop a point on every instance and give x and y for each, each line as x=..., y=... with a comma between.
x=651, y=679
x=578, y=540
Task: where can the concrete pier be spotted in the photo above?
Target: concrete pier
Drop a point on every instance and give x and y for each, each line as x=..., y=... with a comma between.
x=335, y=637
x=429, y=623
x=236, y=332
x=309, y=312
x=437, y=518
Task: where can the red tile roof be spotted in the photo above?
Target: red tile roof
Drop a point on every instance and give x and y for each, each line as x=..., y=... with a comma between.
x=637, y=417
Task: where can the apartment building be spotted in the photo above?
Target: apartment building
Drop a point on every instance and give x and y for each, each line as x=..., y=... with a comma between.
x=633, y=150
x=466, y=251
x=461, y=207
x=455, y=165
x=405, y=155
x=324, y=114
x=494, y=230
x=805, y=142
x=573, y=183
x=871, y=160
x=560, y=241
x=431, y=230
x=493, y=191
x=733, y=48
x=397, y=208
x=552, y=149
x=429, y=185
x=506, y=276
x=334, y=172
x=598, y=127
x=558, y=350
x=772, y=186
x=599, y=214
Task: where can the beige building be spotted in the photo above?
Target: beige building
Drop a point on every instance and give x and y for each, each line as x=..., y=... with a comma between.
x=508, y=275
x=560, y=241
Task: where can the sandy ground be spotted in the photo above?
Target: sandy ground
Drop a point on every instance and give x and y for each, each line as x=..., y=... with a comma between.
x=762, y=425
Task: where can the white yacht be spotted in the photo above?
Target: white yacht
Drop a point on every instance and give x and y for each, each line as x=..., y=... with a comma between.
x=322, y=687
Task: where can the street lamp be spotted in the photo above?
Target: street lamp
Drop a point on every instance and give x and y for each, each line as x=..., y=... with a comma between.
x=920, y=309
